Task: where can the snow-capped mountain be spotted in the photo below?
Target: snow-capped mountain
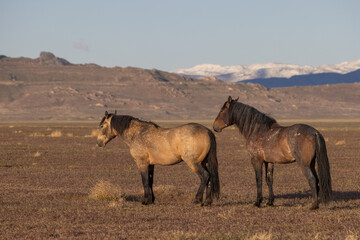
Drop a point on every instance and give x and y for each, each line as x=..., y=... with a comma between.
x=267, y=70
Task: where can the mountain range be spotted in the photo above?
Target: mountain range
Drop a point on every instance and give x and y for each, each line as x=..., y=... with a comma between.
x=51, y=88
x=277, y=74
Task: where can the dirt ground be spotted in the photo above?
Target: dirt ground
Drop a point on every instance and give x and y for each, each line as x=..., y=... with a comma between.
x=48, y=173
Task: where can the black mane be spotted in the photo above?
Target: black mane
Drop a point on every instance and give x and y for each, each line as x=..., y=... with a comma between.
x=122, y=122
x=249, y=119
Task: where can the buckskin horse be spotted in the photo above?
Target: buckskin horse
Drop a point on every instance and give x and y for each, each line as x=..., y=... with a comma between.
x=267, y=142
x=152, y=145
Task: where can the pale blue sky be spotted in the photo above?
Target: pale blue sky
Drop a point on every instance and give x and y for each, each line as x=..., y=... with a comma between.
x=169, y=35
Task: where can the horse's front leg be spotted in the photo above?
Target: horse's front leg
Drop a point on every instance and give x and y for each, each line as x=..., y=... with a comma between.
x=151, y=181
x=257, y=164
x=269, y=170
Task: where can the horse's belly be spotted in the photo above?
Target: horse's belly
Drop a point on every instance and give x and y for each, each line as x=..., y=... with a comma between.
x=164, y=159
x=279, y=157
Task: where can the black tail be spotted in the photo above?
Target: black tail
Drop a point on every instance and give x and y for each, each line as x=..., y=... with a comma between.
x=323, y=169
x=212, y=166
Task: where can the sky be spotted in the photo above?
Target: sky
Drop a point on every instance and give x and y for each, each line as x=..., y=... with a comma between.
x=169, y=34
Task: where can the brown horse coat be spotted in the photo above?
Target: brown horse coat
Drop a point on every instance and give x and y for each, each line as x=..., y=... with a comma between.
x=152, y=145
x=267, y=143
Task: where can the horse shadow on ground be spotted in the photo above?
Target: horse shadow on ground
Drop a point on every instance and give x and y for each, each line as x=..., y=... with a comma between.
x=133, y=198
x=337, y=195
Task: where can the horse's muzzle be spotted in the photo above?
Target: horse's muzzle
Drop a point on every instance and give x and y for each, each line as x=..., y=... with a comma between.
x=101, y=144
x=217, y=128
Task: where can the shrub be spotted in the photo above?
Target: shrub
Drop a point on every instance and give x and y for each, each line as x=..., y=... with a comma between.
x=104, y=190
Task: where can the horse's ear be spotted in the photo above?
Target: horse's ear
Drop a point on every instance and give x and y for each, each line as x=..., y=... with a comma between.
x=115, y=112
x=228, y=102
x=237, y=99
x=106, y=114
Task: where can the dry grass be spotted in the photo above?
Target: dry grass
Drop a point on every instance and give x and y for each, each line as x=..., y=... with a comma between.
x=49, y=186
x=36, y=134
x=340, y=143
x=69, y=134
x=104, y=190
x=352, y=236
x=56, y=133
x=261, y=236
x=94, y=133
x=37, y=154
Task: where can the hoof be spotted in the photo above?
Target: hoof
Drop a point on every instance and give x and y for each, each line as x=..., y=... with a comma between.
x=197, y=201
x=207, y=203
x=147, y=202
x=270, y=203
x=314, y=207
x=257, y=204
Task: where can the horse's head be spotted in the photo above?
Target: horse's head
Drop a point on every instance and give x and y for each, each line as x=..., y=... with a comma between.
x=223, y=119
x=106, y=133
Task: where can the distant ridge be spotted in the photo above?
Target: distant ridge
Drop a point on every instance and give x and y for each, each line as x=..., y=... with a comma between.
x=308, y=80
x=260, y=73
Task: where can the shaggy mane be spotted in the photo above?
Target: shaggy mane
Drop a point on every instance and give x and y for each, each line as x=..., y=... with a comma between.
x=249, y=119
x=122, y=122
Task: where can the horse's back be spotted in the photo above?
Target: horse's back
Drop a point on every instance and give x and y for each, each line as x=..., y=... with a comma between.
x=166, y=146
x=191, y=140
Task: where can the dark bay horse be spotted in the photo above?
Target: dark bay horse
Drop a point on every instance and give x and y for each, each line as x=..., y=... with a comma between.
x=267, y=142
x=152, y=145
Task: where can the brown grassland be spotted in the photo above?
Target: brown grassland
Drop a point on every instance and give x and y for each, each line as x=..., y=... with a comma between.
x=56, y=183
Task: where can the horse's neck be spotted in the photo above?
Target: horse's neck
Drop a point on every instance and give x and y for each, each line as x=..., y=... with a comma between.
x=254, y=126
x=134, y=130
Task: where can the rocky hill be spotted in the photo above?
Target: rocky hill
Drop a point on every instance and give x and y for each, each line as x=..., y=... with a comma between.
x=51, y=88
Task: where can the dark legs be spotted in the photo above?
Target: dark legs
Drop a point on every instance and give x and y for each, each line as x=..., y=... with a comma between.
x=313, y=181
x=204, y=182
x=258, y=173
x=147, y=176
x=312, y=178
x=269, y=169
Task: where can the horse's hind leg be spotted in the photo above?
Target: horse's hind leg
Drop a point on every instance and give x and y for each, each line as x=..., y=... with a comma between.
x=312, y=179
x=204, y=180
x=312, y=167
x=208, y=199
x=257, y=164
x=269, y=169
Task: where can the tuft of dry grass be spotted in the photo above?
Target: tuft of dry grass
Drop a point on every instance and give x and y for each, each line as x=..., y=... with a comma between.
x=340, y=143
x=104, y=190
x=352, y=236
x=56, y=133
x=36, y=134
x=37, y=154
x=94, y=133
x=261, y=236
